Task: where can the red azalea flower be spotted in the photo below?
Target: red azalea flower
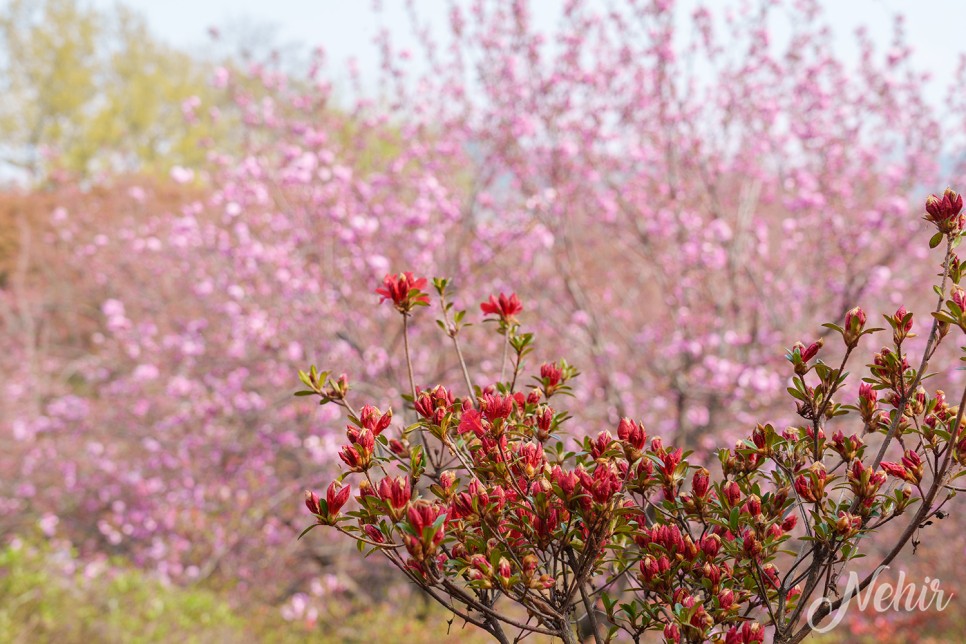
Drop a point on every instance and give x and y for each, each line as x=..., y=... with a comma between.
x=404, y=290
x=506, y=307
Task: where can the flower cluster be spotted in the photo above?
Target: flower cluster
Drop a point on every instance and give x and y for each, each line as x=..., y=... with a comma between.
x=479, y=498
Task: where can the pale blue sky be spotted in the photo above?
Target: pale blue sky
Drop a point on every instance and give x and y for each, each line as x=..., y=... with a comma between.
x=345, y=27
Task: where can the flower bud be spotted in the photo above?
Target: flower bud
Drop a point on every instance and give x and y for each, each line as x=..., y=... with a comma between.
x=854, y=323
x=731, y=493
x=672, y=634
x=699, y=483
x=801, y=354
x=759, y=438
x=504, y=572
x=312, y=502
x=810, y=485
x=944, y=212
x=753, y=505
x=847, y=525
x=396, y=492
x=373, y=533
x=398, y=447
x=710, y=545
x=901, y=322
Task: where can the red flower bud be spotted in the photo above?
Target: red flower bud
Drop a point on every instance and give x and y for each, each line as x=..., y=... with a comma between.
x=710, y=545
x=944, y=212
x=854, y=323
x=504, y=572
x=601, y=444
x=901, y=321
x=567, y=481
x=731, y=493
x=753, y=505
x=634, y=436
x=810, y=485
x=397, y=447
x=447, y=479
x=551, y=374
x=847, y=525
x=494, y=406
x=396, y=492
x=312, y=502
x=421, y=516
x=811, y=351
x=356, y=458
x=372, y=419
x=758, y=437
x=672, y=634
x=958, y=296
x=373, y=533
x=747, y=633
x=751, y=545
x=910, y=469
x=335, y=498
x=699, y=483
x=544, y=421
x=801, y=354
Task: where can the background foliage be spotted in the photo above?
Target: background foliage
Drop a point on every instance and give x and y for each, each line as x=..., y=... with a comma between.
x=192, y=231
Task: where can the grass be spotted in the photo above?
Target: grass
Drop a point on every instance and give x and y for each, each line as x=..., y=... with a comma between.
x=43, y=600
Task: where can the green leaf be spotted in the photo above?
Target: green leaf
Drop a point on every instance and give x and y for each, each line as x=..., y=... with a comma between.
x=935, y=240
x=306, y=531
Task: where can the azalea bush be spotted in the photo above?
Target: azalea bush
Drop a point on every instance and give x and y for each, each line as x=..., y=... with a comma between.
x=480, y=501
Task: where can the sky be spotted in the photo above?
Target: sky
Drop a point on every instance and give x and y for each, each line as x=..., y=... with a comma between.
x=345, y=27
